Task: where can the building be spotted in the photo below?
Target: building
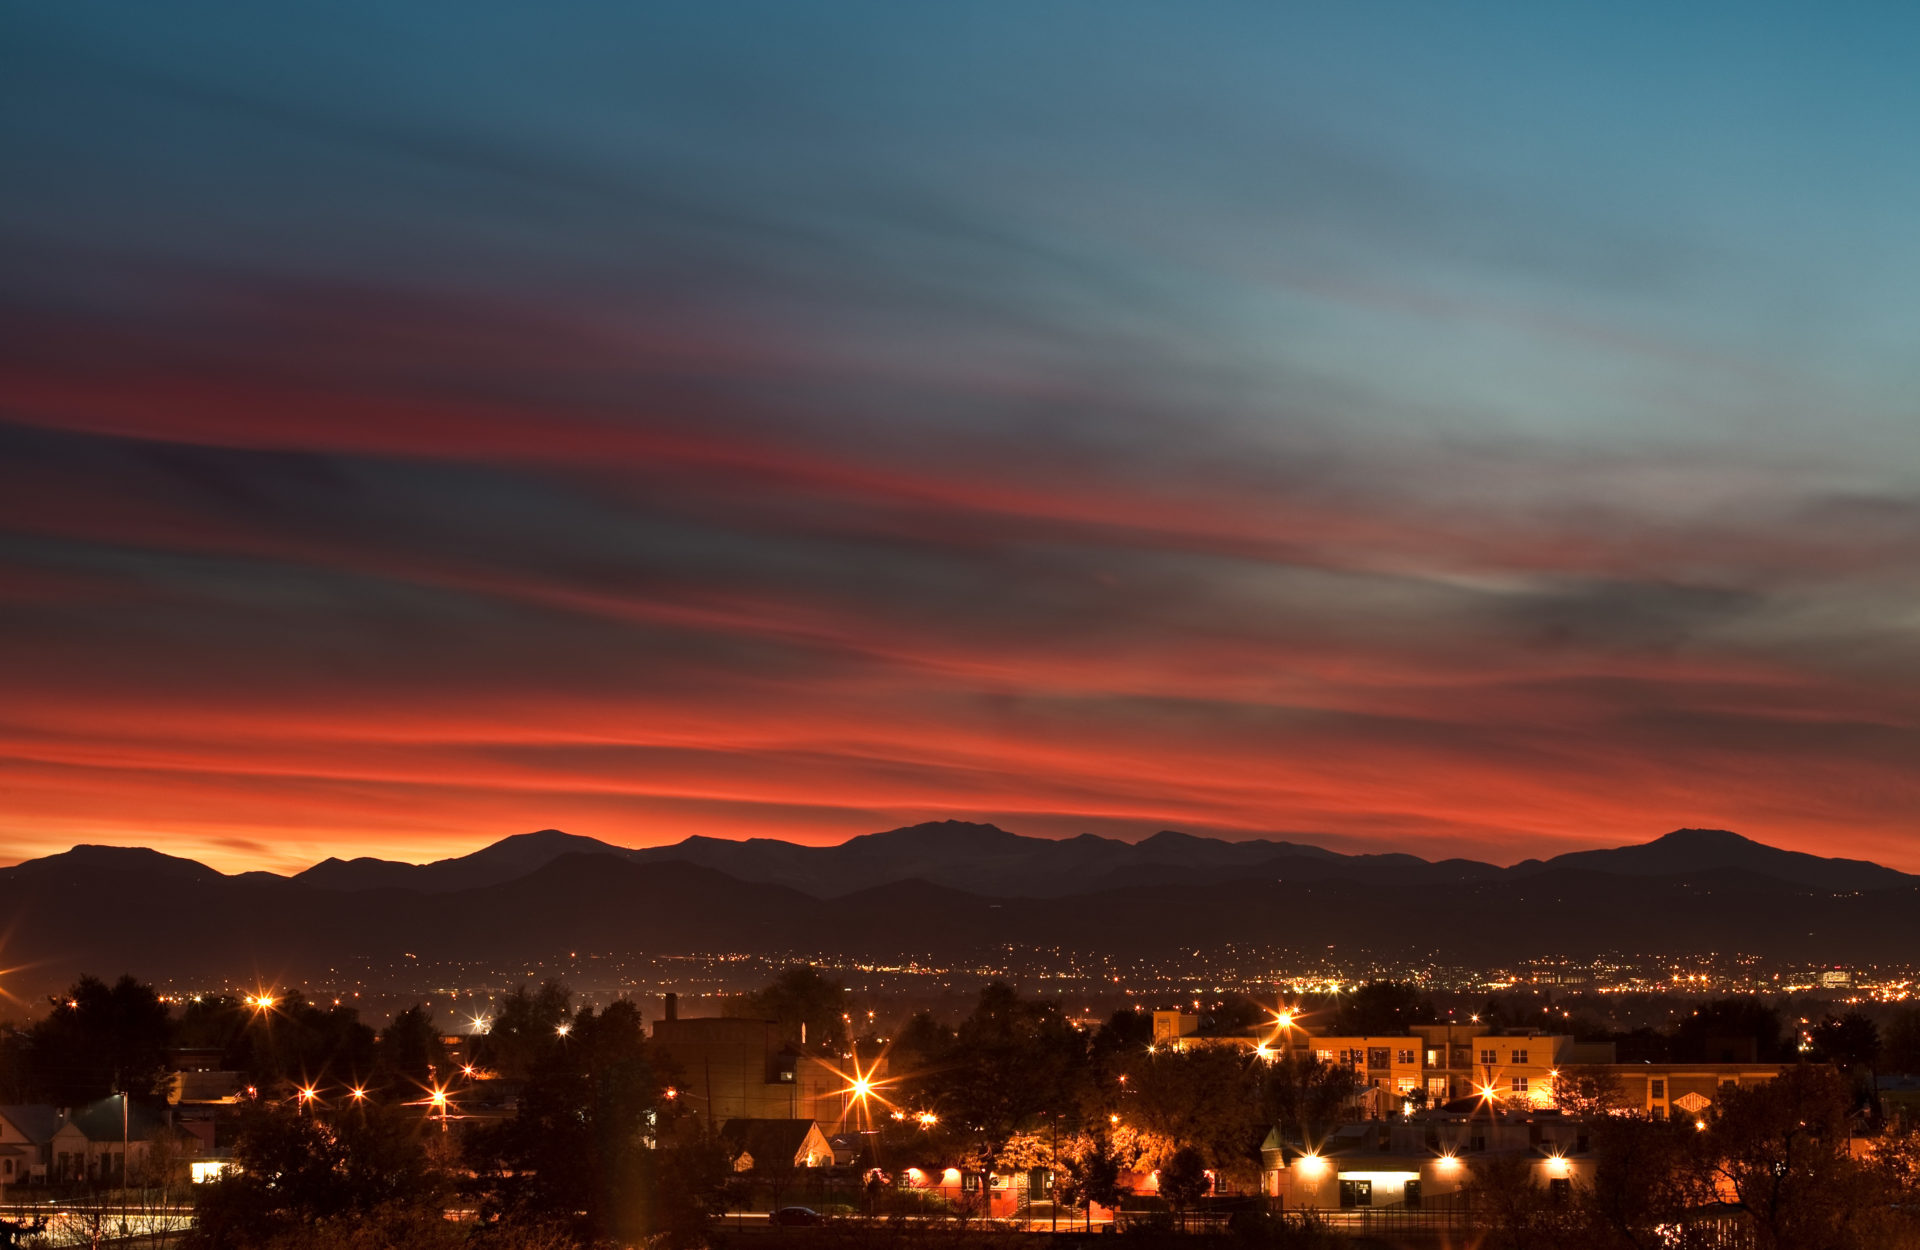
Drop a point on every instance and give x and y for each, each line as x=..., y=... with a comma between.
x=737, y=1069
x=1412, y=1164
x=26, y=1142
x=1438, y=1064
x=776, y=1145
x=104, y=1143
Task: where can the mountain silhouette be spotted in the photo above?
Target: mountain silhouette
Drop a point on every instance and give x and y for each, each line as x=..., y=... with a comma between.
x=947, y=893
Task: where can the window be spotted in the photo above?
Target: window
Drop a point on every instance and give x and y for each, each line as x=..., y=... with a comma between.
x=1656, y=1088
x=1377, y=1056
x=1436, y=1089
x=1324, y=1056
x=1434, y=1059
x=1519, y=1085
x=1489, y=1057
x=1407, y=1084
x=1356, y=1193
x=1353, y=1057
x=1406, y=1056
x=1520, y=1055
x=1412, y=1196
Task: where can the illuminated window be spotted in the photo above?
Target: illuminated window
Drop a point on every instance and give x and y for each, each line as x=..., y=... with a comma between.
x=1324, y=1056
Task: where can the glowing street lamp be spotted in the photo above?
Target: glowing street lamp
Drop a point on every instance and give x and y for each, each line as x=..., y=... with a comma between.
x=563, y=1028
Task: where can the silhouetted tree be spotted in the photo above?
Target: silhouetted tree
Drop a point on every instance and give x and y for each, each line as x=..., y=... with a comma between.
x=525, y=1030
x=1380, y=1008
x=101, y=1040
x=1647, y=1174
x=1901, y=1042
x=1713, y=1029
x=1782, y=1148
x=411, y=1055
x=800, y=995
x=295, y=1170
x=580, y=1151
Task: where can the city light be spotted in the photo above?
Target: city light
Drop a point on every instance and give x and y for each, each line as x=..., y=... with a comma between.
x=563, y=1028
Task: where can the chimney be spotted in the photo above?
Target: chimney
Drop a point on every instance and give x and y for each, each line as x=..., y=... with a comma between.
x=671, y=1003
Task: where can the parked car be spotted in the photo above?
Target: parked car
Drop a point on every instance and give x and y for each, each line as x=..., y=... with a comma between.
x=795, y=1217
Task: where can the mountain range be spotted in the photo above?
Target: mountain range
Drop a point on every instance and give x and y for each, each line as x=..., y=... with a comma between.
x=940, y=892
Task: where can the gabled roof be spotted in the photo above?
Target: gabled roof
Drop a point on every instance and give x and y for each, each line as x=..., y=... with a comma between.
x=102, y=1121
x=37, y=1122
x=770, y=1141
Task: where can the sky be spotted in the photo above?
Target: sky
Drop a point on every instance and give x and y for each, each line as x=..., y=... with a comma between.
x=1472, y=430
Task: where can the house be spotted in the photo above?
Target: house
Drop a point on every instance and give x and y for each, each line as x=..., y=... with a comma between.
x=26, y=1137
x=104, y=1143
x=1410, y=1163
x=776, y=1145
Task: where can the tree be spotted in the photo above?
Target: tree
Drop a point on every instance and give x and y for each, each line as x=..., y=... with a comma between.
x=581, y=1150
x=411, y=1054
x=1716, y=1030
x=1852, y=1044
x=1782, y=1148
x=1512, y=1211
x=801, y=1000
x=101, y=1040
x=1302, y=1093
x=291, y=1041
x=1587, y=1092
x=1901, y=1048
x=1206, y=1098
x=294, y=1170
x=1183, y=1178
x=1008, y=1063
x=1647, y=1174
x=1382, y=1008
x=1092, y=1173
x=525, y=1030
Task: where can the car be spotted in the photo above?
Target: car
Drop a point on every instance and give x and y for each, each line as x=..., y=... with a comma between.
x=795, y=1217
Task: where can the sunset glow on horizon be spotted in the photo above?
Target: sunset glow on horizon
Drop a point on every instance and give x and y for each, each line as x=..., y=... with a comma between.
x=895, y=419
